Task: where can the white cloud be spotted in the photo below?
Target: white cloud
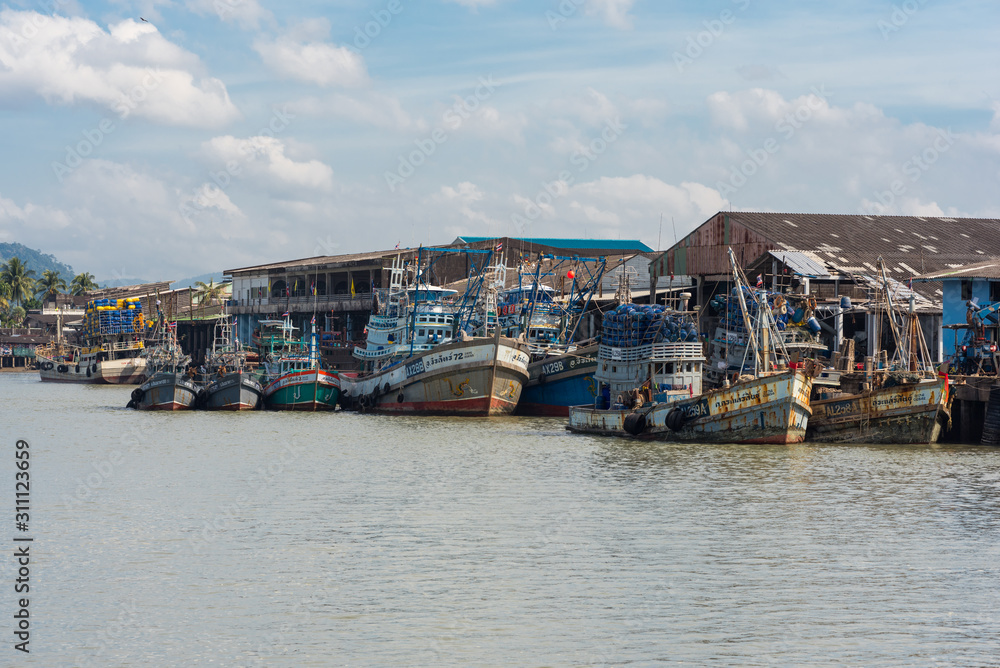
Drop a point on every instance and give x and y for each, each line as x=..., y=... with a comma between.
x=248, y=14
x=118, y=222
x=301, y=54
x=461, y=199
x=130, y=69
x=613, y=12
x=364, y=108
x=490, y=123
x=262, y=160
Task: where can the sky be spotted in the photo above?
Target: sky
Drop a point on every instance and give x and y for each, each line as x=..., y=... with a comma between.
x=156, y=139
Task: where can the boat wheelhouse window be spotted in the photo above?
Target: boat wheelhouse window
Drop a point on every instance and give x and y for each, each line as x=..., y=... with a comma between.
x=421, y=332
x=669, y=368
x=614, y=369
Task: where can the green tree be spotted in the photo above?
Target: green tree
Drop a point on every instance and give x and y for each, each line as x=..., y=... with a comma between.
x=49, y=285
x=82, y=283
x=19, y=278
x=210, y=292
x=17, y=316
x=4, y=296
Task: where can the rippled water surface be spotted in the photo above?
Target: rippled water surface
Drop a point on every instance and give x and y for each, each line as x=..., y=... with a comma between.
x=271, y=539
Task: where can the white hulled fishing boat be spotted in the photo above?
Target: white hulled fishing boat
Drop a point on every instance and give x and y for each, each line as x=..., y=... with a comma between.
x=112, y=351
x=423, y=355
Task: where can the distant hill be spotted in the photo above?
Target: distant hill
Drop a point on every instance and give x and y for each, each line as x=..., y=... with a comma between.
x=174, y=285
x=189, y=282
x=35, y=260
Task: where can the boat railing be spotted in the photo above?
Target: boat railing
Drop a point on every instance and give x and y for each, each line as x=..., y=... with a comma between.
x=654, y=352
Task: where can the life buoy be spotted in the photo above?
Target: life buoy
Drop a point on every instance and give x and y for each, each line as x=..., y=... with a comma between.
x=62, y=368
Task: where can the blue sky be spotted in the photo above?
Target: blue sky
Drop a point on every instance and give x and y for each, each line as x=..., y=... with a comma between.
x=223, y=133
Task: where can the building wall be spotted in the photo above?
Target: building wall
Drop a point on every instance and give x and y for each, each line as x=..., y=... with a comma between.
x=954, y=307
x=704, y=252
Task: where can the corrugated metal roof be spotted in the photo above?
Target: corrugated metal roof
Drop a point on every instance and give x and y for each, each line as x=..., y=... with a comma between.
x=573, y=244
x=321, y=260
x=802, y=263
x=990, y=269
x=910, y=245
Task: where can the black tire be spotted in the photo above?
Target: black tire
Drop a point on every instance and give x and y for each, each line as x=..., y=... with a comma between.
x=138, y=394
x=635, y=423
x=78, y=368
x=675, y=419
x=47, y=366
x=399, y=398
x=89, y=374
x=62, y=368
x=132, y=404
x=385, y=389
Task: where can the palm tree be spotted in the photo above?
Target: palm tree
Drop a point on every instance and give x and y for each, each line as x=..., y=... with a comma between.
x=83, y=283
x=49, y=285
x=19, y=278
x=208, y=292
x=17, y=316
x=4, y=295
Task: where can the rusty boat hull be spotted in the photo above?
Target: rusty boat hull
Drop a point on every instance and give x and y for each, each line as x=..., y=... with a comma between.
x=481, y=377
x=769, y=409
x=902, y=414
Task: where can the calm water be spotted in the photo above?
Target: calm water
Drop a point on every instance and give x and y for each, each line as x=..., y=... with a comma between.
x=268, y=539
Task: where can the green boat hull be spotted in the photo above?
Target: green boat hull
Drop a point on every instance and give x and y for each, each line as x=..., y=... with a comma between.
x=314, y=390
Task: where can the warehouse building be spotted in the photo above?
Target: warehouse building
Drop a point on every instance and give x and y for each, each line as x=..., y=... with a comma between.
x=833, y=256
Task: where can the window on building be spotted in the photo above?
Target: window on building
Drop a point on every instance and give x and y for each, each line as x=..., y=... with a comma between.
x=966, y=289
x=995, y=291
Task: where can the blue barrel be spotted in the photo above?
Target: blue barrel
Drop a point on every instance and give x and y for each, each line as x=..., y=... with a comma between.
x=813, y=325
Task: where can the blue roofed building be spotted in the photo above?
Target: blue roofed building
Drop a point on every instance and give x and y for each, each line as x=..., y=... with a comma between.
x=578, y=246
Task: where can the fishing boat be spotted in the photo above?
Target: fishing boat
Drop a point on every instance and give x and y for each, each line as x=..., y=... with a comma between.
x=427, y=354
x=112, y=348
x=901, y=399
x=561, y=371
x=231, y=385
x=295, y=379
x=171, y=385
x=650, y=370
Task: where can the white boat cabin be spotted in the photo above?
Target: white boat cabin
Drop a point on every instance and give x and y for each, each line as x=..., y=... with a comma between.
x=662, y=367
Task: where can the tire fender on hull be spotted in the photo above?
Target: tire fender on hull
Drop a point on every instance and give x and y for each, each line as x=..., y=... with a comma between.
x=675, y=419
x=635, y=423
